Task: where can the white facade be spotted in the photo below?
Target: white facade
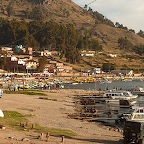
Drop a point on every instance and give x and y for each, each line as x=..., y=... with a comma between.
x=20, y=61
x=13, y=58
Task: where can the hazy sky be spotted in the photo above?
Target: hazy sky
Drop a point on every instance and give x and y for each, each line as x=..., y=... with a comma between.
x=130, y=13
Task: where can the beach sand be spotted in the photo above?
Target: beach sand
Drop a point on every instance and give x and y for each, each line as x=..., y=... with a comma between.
x=54, y=113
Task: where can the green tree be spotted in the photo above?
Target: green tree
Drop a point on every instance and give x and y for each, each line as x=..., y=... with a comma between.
x=139, y=49
x=141, y=33
x=95, y=45
x=107, y=67
x=124, y=43
x=80, y=44
x=131, y=30
x=72, y=55
x=42, y=62
x=38, y=13
x=3, y=63
x=29, y=41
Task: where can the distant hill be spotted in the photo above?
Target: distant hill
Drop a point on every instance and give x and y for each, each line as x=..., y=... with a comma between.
x=86, y=21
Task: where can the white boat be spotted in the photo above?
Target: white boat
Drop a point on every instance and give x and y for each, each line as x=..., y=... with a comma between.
x=105, y=81
x=115, y=94
x=136, y=115
x=75, y=83
x=136, y=90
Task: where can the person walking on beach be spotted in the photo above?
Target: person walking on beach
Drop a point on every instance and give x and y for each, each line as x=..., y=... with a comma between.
x=62, y=140
x=1, y=93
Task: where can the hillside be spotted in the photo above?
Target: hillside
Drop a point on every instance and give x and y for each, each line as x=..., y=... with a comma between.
x=66, y=11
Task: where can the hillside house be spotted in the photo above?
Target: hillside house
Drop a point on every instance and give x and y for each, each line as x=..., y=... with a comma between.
x=122, y=72
x=94, y=71
x=31, y=64
x=7, y=50
x=55, y=53
x=59, y=64
x=45, y=53
x=21, y=61
x=29, y=50
x=87, y=53
x=52, y=62
x=112, y=55
x=19, y=49
x=67, y=68
x=61, y=67
x=49, y=68
x=57, y=67
x=21, y=65
x=14, y=65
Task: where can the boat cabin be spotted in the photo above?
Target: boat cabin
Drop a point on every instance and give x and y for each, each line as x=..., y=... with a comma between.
x=114, y=94
x=138, y=114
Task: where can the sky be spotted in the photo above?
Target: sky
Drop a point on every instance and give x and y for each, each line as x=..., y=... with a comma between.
x=130, y=13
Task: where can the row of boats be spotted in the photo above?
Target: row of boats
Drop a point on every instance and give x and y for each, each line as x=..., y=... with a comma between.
x=127, y=98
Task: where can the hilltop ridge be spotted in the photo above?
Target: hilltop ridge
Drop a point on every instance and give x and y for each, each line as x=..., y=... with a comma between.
x=65, y=12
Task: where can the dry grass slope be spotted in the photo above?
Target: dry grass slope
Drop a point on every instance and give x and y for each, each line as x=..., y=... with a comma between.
x=66, y=11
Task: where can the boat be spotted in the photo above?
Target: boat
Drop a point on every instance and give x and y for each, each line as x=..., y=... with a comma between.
x=121, y=102
x=106, y=81
x=137, y=114
x=136, y=90
x=119, y=94
x=75, y=83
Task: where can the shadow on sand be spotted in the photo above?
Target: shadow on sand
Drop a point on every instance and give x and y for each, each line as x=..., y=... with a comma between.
x=102, y=141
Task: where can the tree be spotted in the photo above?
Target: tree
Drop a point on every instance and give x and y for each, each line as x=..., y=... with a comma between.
x=95, y=45
x=117, y=24
x=141, y=33
x=29, y=41
x=124, y=43
x=72, y=55
x=85, y=7
x=131, y=30
x=139, y=49
x=38, y=13
x=80, y=44
x=10, y=9
x=107, y=67
x=3, y=63
x=42, y=63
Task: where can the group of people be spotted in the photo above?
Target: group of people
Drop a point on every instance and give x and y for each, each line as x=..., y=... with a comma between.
x=13, y=87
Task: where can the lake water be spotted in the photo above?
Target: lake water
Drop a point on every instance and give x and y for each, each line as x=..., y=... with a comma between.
x=106, y=86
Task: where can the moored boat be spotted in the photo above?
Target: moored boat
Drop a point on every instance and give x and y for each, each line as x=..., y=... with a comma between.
x=137, y=114
x=136, y=90
x=116, y=94
x=121, y=102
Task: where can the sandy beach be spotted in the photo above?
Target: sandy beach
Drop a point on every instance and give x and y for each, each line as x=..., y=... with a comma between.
x=54, y=113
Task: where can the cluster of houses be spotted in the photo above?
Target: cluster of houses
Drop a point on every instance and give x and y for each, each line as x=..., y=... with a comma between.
x=19, y=58
x=23, y=59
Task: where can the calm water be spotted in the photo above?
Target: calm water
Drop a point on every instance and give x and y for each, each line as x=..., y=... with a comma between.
x=105, y=86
